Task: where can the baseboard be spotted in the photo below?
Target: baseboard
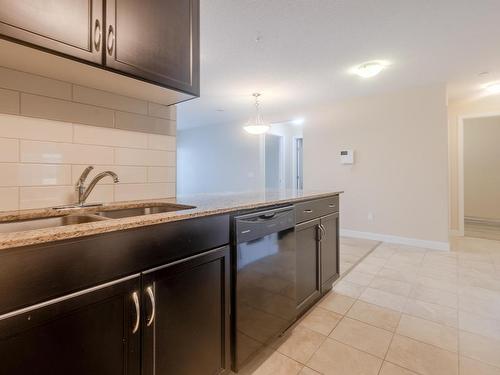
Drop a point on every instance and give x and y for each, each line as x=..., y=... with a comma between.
x=434, y=245
x=481, y=220
x=455, y=233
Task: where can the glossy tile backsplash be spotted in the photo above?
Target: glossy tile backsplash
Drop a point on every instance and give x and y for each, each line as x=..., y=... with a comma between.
x=41, y=158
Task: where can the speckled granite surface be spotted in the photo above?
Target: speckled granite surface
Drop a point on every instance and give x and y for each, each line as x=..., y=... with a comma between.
x=204, y=205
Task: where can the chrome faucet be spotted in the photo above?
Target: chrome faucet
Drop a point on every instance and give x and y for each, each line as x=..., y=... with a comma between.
x=84, y=192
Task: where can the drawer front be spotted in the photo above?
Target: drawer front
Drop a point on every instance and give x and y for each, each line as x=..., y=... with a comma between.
x=316, y=208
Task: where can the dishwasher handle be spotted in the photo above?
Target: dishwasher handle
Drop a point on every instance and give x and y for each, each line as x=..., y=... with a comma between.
x=256, y=225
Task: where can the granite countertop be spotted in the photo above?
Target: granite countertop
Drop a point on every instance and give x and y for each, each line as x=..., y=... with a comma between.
x=204, y=205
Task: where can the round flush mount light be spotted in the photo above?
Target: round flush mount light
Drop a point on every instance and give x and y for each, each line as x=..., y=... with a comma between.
x=493, y=88
x=369, y=69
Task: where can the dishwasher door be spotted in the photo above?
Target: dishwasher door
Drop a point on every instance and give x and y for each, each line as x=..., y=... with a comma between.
x=265, y=290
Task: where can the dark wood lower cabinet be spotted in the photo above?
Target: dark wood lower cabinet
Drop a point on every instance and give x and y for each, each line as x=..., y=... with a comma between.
x=308, y=264
x=329, y=251
x=186, y=316
x=91, y=332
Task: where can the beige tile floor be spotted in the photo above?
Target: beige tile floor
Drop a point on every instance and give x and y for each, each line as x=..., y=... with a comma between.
x=402, y=310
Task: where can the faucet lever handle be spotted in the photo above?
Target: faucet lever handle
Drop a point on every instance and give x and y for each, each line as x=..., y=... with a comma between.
x=84, y=175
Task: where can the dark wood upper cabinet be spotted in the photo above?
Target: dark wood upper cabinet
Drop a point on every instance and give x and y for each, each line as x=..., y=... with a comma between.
x=155, y=40
x=186, y=316
x=70, y=27
x=96, y=331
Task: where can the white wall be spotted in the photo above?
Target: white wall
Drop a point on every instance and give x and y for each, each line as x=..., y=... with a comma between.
x=482, y=167
x=218, y=158
x=224, y=158
x=400, y=173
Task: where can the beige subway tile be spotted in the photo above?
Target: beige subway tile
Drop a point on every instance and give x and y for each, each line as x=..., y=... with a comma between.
x=162, y=111
x=10, y=174
x=34, y=84
x=109, y=137
x=126, y=192
x=161, y=142
x=153, y=158
x=9, y=198
x=35, y=129
x=161, y=174
x=140, y=123
x=106, y=99
x=64, y=153
x=127, y=175
x=9, y=150
x=9, y=101
x=62, y=110
x=46, y=196
x=101, y=194
x=43, y=174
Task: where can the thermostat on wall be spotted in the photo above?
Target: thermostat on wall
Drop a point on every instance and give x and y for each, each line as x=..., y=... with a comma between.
x=347, y=157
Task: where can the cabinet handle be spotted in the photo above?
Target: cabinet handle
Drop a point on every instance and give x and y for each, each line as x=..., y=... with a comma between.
x=110, y=43
x=323, y=231
x=319, y=232
x=332, y=205
x=97, y=35
x=308, y=211
x=135, y=298
x=149, y=291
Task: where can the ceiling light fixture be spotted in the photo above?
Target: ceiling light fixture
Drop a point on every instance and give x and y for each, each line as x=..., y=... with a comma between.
x=370, y=69
x=257, y=124
x=493, y=88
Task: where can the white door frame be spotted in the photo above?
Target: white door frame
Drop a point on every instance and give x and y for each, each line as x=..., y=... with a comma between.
x=461, y=188
x=295, y=160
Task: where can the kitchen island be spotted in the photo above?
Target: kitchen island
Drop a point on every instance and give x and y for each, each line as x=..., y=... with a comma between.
x=148, y=293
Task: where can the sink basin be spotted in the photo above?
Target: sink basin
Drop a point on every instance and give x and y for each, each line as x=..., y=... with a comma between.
x=46, y=222
x=139, y=211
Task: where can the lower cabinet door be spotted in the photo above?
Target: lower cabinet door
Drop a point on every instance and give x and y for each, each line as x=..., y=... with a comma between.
x=95, y=331
x=308, y=264
x=329, y=251
x=186, y=316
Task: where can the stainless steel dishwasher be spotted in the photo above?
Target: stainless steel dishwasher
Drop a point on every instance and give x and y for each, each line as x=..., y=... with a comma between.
x=264, y=269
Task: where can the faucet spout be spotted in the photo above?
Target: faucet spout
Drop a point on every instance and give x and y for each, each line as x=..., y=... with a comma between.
x=83, y=193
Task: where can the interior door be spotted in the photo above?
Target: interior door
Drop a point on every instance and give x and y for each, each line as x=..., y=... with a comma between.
x=186, y=316
x=93, y=332
x=329, y=250
x=70, y=27
x=308, y=263
x=156, y=40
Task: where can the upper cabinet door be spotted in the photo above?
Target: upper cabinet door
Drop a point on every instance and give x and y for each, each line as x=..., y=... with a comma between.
x=70, y=27
x=155, y=40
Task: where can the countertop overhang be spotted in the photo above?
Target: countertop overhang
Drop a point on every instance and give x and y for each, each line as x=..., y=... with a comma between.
x=205, y=205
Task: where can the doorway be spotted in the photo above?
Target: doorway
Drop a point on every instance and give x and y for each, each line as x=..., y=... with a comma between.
x=274, y=162
x=479, y=181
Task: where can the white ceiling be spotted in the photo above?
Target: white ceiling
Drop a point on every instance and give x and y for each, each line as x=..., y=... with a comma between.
x=306, y=48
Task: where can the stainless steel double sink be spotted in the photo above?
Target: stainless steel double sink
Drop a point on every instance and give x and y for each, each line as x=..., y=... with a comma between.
x=83, y=218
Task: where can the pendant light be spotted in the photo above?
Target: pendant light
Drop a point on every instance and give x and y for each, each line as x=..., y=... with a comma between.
x=257, y=124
